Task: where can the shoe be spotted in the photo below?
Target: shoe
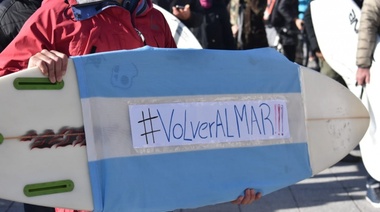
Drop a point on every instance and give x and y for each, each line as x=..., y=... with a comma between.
x=373, y=194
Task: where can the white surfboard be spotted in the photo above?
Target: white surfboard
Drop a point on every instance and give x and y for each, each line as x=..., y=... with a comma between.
x=183, y=37
x=336, y=23
x=212, y=129
x=335, y=27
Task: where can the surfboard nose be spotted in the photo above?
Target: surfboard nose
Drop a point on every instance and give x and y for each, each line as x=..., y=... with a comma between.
x=336, y=119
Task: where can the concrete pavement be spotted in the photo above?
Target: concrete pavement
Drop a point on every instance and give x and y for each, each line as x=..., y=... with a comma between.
x=340, y=188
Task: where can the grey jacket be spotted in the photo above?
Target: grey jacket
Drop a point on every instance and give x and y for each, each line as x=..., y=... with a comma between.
x=368, y=31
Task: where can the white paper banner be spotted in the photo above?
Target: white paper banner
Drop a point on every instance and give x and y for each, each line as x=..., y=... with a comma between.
x=177, y=124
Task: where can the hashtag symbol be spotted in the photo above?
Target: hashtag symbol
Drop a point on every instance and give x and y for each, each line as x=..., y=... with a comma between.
x=151, y=131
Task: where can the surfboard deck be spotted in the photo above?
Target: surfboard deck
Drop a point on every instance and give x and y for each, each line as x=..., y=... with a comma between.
x=182, y=35
x=335, y=29
x=44, y=159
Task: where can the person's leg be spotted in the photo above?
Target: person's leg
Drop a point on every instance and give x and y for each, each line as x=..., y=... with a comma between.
x=326, y=69
x=37, y=208
x=290, y=52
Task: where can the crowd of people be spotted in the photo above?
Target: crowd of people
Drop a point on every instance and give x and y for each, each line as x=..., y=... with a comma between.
x=237, y=24
x=217, y=24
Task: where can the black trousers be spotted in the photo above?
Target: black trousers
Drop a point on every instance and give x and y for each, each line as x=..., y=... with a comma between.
x=290, y=52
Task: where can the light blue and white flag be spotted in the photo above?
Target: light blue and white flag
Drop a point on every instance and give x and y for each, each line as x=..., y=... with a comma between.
x=181, y=128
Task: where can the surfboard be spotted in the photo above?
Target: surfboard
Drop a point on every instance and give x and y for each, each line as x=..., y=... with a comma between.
x=188, y=129
x=336, y=31
x=182, y=35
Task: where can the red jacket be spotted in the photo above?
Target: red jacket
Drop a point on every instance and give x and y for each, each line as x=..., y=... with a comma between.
x=53, y=27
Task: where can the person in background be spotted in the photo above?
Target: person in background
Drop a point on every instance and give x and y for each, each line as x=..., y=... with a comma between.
x=215, y=30
x=289, y=28
x=247, y=23
x=189, y=12
x=369, y=28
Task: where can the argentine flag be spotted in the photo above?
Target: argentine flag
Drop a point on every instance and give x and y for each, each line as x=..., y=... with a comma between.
x=185, y=128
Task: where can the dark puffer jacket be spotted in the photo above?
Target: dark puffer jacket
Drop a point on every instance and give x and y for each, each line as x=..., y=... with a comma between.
x=13, y=14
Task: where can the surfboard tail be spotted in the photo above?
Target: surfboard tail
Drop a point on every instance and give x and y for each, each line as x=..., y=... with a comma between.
x=339, y=116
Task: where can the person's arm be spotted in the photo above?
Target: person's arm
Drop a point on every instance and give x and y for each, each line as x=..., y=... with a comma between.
x=52, y=64
x=284, y=7
x=234, y=16
x=183, y=13
x=309, y=28
x=192, y=15
x=367, y=39
x=363, y=76
x=289, y=11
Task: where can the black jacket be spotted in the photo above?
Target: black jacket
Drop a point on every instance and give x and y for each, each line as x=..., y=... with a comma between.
x=288, y=9
x=215, y=31
x=13, y=14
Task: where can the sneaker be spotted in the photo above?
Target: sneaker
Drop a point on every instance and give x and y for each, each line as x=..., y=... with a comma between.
x=373, y=194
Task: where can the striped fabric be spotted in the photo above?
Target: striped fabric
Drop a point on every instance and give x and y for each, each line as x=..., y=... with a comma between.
x=181, y=128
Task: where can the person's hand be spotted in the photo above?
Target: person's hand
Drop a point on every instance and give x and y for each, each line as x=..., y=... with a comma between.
x=182, y=14
x=299, y=24
x=52, y=64
x=249, y=197
x=362, y=76
x=234, y=29
x=319, y=55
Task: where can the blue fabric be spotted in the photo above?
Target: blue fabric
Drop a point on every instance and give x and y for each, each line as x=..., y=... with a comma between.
x=253, y=71
x=166, y=182
x=194, y=178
